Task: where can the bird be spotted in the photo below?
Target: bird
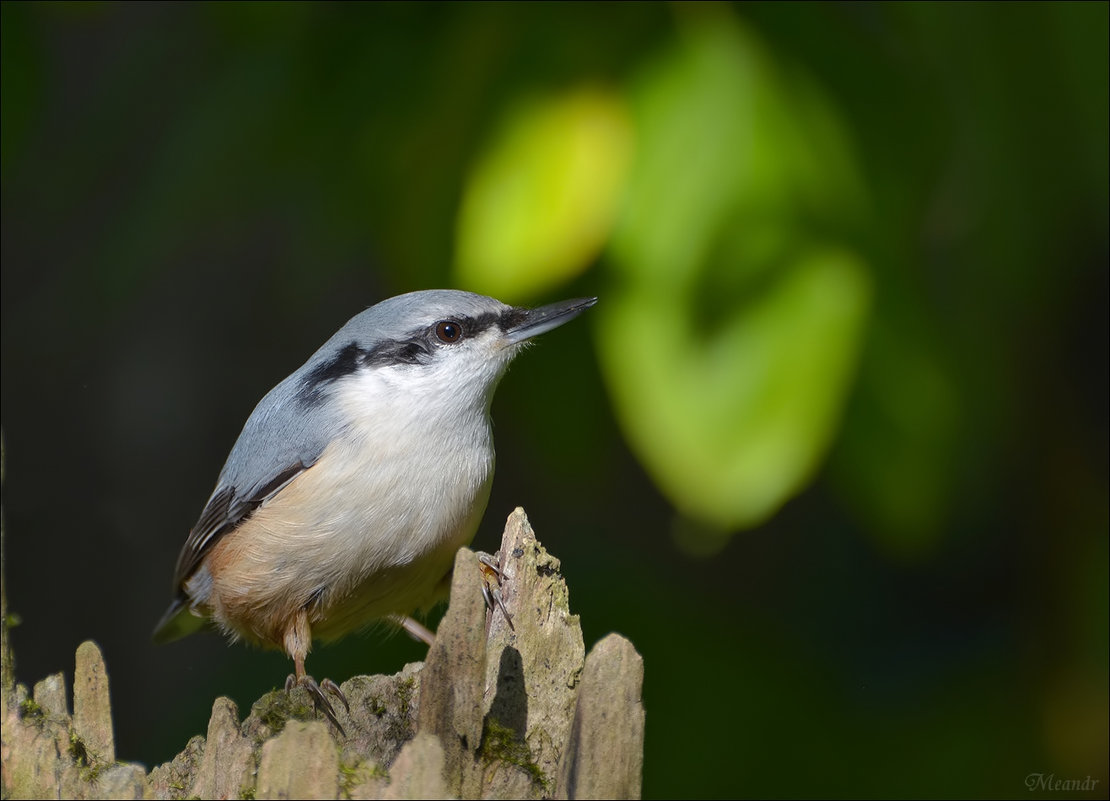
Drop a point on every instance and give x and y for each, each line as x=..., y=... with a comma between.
x=356, y=479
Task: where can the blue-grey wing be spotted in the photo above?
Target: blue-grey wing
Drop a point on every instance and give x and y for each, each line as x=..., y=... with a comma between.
x=284, y=436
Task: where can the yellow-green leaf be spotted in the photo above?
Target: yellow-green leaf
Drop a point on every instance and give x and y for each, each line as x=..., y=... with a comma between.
x=540, y=202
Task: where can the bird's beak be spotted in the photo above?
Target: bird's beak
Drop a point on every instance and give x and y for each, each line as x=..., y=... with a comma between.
x=527, y=323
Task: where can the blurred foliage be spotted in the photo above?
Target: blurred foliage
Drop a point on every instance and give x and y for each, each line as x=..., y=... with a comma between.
x=732, y=270
x=540, y=205
x=729, y=251
x=852, y=262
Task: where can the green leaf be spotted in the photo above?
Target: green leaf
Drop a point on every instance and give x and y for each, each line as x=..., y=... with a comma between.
x=540, y=203
x=732, y=343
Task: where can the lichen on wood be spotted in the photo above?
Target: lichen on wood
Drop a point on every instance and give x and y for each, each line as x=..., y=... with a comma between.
x=497, y=710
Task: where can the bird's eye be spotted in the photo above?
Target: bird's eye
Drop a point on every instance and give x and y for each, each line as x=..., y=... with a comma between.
x=448, y=331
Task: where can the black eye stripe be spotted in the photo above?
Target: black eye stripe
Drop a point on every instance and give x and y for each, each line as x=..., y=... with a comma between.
x=414, y=348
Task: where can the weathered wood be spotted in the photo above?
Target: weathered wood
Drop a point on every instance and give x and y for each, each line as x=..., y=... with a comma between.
x=453, y=676
x=496, y=711
x=47, y=753
x=92, y=710
x=227, y=765
x=301, y=762
x=419, y=770
x=532, y=681
x=605, y=754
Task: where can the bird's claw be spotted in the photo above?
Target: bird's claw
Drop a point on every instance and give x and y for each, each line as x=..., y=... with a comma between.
x=333, y=688
x=491, y=590
x=319, y=700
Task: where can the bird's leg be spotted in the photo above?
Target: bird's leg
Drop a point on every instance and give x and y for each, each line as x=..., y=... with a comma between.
x=298, y=639
x=491, y=569
x=415, y=629
x=491, y=590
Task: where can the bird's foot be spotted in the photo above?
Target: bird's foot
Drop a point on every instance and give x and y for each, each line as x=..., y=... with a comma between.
x=319, y=699
x=492, y=576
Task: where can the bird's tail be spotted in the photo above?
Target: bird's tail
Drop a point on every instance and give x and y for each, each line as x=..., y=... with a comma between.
x=179, y=621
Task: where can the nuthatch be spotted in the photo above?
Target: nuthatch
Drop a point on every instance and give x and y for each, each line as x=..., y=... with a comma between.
x=357, y=478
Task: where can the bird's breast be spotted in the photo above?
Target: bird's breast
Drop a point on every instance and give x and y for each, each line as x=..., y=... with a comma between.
x=369, y=530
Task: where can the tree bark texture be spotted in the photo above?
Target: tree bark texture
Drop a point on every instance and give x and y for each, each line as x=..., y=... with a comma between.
x=497, y=710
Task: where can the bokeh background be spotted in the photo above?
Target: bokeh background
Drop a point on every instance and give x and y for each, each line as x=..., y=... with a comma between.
x=831, y=449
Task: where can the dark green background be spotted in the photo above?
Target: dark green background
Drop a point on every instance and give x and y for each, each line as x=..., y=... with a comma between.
x=196, y=196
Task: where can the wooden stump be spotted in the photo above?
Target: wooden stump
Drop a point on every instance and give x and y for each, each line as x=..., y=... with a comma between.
x=496, y=711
